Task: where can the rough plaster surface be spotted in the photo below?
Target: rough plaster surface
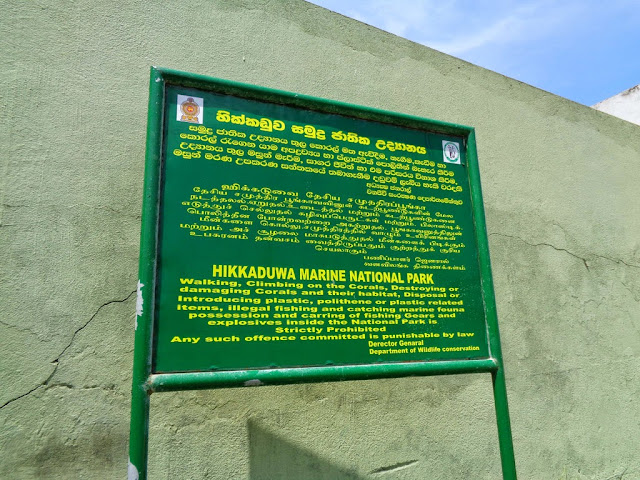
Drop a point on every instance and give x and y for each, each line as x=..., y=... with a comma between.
x=561, y=192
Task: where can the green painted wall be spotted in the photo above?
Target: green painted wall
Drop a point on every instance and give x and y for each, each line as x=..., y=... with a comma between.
x=561, y=189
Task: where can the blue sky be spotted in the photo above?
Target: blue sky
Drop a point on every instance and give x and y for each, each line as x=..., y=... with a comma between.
x=583, y=50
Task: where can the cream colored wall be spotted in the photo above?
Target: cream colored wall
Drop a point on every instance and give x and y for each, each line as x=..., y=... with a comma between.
x=625, y=105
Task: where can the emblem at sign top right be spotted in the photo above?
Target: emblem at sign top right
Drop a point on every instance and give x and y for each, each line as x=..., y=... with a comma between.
x=451, y=152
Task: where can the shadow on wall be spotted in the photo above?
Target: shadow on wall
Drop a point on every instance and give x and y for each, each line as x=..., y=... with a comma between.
x=273, y=458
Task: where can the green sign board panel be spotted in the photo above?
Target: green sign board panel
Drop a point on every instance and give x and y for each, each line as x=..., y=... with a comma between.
x=290, y=239
x=309, y=233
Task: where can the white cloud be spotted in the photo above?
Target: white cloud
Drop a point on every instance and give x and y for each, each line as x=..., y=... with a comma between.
x=399, y=17
x=500, y=31
x=460, y=26
x=527, y=23
x=561, y=46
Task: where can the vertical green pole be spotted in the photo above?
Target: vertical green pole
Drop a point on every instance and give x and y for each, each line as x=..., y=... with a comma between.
x=140, y=394
x=499, y=385
x=138, y=434
x=504, y=425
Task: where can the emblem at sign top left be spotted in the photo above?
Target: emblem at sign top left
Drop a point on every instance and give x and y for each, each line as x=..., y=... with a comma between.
x=190, y=109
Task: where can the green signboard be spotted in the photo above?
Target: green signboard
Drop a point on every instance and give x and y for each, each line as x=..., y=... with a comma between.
x=293, y=237
x=288, y=238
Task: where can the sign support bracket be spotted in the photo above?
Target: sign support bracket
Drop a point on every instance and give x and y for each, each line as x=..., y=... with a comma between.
x=140, y=404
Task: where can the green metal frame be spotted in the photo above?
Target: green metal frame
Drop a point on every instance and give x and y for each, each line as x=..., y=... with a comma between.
x=146, y=382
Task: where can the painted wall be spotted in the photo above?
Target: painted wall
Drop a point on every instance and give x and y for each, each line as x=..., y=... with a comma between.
x=560, y=183
x=625, y=105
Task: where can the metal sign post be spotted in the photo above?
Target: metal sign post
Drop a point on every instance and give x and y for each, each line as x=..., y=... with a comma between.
x=289, y=239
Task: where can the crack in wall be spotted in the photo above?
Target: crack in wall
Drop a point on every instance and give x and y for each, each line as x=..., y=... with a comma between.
x=393, y=468
x=618, y=476
x=69, y=386
x=633, y=294
x=584, y=302
x=56, y=362
x=20, y=329
x=615, y=260
x=584, y=260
